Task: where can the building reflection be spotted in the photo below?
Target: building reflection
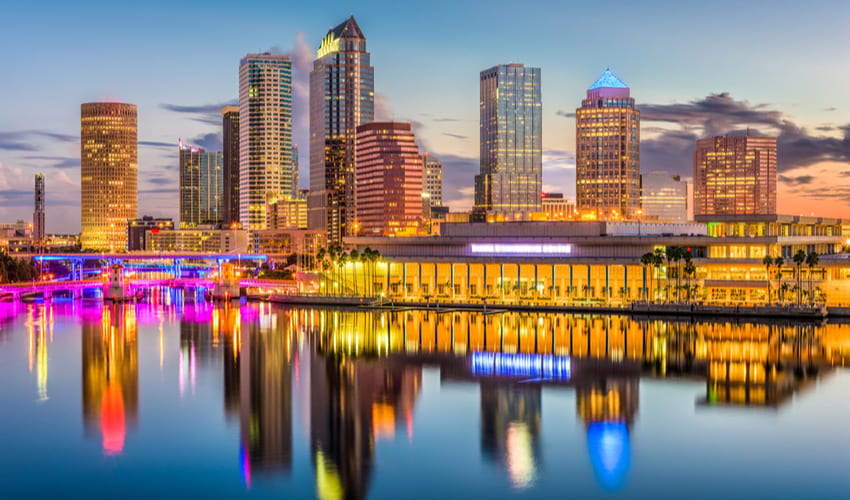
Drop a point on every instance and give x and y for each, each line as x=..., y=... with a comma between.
x=510, y=429
x=264, y=361
x=356, y=399
x=39, y=325
x=608, y=408
x=227, y=329
x=110, y=376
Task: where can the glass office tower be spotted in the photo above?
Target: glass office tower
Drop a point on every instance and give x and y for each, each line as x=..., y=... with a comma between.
x=266, y=172
x=608, y=151
x=734, y=176
x=510, y=182
x=201, y=187
x=342, y=97
x=230, y=140
x=109, y=174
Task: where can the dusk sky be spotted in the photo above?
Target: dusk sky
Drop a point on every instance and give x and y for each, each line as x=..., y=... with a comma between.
x=695, y=70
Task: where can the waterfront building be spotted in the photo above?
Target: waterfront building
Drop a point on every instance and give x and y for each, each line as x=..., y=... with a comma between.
x=230, y=165
x=600, y=262
x=201, y=238
x=139, y=229
x=664, y=197
x=266, y=171
x=510, y=181
x=281, y=243
x=608, y=151
x=388, y=193
x=108, y=174
x=734, y=176
x=201, y=186
x=38, y=229
x=342, y=97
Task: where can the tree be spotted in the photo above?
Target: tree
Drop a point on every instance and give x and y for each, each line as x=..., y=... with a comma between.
x=768, y=263
x=354, y=257
x=799, y=260
x=647, y=261
x=778, y=263
x=690, y=271
x=811, y=261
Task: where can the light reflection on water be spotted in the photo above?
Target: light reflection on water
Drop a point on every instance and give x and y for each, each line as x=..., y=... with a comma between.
x=351, y=404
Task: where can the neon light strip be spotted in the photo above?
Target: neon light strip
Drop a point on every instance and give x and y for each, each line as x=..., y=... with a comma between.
x=520, y=248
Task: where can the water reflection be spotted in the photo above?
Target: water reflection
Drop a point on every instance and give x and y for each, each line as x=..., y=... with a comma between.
x=355, y=377
x=110, y=376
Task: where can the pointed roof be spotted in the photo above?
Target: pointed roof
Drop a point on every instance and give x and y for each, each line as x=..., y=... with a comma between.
x=608, y=80
x=348, y=29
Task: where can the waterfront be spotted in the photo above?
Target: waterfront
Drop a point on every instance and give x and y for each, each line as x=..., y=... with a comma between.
x=200, y=400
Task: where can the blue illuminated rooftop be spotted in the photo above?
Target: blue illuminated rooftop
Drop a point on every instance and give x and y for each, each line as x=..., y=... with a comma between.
x=608, y=80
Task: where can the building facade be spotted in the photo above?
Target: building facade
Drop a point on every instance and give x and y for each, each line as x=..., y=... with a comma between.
x=288, y=213
x=108, y=174
x=608, y=151
x=198, y=239
x=342, y=97
x=556, y=207
x=201, y=186
x=509, y=184
x=734, y=176
x=38, y=230
x=432, y=180
x=138, y=231
x=664, y=197
x=388, y=192
x=266, y=171
x=230, y=165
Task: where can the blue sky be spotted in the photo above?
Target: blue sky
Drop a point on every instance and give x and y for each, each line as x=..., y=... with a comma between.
x=695, y=70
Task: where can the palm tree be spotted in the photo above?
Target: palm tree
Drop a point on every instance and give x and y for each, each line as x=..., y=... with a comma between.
x=354, y=257
x=647, y=260
x=784, y=287
x=669, y=256
x=690, y=271
x=799, y=260
x=768, y=263
x=811, y=261
x=778, y=263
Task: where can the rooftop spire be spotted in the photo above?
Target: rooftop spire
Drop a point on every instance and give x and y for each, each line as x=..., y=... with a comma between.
x=608, y=80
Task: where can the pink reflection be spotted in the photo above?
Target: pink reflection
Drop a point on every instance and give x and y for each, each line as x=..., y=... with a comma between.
x=112, y=425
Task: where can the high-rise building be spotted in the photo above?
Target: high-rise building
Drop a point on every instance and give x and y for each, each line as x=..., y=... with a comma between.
x=230, y=183
x=389, y=180
x=608, y=151
x=663, y=197
x=432, y=180
x=509, y=184
x=265, y=135
x=735, y=176
x=201, y=186
x=38, y=232
x=108, y=174
x=295, y=191
x=342, y=97
x=138, y=231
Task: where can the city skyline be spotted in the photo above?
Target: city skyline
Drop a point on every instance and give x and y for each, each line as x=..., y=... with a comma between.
x=677, y=107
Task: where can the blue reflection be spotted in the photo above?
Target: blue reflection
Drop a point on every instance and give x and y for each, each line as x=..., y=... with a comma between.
x=608, y=446
x=545, y=366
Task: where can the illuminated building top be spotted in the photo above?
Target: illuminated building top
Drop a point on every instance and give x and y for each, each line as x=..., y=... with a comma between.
x=608, y=80
x=349, y=30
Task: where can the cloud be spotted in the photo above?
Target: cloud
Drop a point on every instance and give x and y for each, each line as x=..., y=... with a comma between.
x=455, y=136
x=383, y=109
x=566, y=114
x=27, y=140
x=59, y=162
x=458, y=180
x=158, y=144
x=173, y=191
x=211, y=142
x=445, y=120
x=670, y=137
x=796, y=181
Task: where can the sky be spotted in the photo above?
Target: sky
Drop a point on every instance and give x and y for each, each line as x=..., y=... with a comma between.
x=695, y=70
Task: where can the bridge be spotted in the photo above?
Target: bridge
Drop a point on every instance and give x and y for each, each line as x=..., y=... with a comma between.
x=172, y=263
x=75, y=288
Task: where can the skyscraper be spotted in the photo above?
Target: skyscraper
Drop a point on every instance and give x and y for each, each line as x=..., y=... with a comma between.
x=432, y=180
x=342, y=97
x=108, y=174
x=38, y=214
x=265, y=135
x=389, y=180
x=201, y=186
x=230, y=183
x=735, y=176
x=510, y=182
x=608, y=151
x=663, y=197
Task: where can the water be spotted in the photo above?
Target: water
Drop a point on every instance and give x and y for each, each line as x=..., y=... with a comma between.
x=196, y=400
